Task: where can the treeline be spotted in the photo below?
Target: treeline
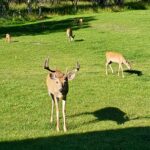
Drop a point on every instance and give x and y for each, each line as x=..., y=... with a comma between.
x=11, y=7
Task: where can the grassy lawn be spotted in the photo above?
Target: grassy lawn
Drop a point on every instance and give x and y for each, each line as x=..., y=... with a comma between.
x=103, y=112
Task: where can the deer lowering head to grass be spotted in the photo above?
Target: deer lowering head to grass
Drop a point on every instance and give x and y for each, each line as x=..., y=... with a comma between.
x=70, y=35
x=78, y=21
x=116, y=58
x=57, y=84
x=8, y=38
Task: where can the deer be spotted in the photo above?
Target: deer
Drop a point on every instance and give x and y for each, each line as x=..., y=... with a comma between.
x=69, y=34
x=80, y=21
x=8, y=38
x=116, y=58
x=58, y=87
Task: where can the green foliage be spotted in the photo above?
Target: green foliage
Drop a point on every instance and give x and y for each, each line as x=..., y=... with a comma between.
x=139, y=5
x=103, y=112
x=20, y=12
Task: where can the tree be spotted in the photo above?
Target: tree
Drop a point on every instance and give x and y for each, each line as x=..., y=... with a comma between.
x=4, y=6
x=75, y=3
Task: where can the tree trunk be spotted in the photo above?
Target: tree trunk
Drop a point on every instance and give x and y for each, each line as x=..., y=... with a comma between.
x=29, y=6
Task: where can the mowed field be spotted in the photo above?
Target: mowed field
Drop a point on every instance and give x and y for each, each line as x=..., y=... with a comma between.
x=103, y=112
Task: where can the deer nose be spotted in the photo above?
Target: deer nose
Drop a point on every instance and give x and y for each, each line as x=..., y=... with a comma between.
x=60, y=90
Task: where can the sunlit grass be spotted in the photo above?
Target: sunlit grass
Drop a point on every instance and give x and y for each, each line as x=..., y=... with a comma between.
x=24, y=102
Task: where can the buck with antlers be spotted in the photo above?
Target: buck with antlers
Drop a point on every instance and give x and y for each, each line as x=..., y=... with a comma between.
x=57, y=84
x=116, y=58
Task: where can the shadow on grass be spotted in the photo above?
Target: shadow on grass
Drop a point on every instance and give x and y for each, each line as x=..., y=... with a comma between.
x=44, y=27
x=111, y=113
x=79, y=40
x=120, y=139
x=107, y=113
x=137, y=72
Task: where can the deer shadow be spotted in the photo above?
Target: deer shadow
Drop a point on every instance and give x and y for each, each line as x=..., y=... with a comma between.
x=79, y=40
x=107, y=114
x=137, y=72
x=112, y=114
x=15, y=41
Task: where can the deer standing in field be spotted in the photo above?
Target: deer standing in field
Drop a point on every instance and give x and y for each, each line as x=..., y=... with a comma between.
x=8, y=38
x=57, y=84
x=80, y=21
x=116, y=58
x=70, y=35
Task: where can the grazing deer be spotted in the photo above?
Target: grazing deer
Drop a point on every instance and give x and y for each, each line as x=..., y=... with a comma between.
x=8, y=38
x=70, y=34
x=78, y=21
x=57, y=84
x=116, y=58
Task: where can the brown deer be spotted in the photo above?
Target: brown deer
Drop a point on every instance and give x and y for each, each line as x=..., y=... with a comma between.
x=116, y=58
x=80, y=21
x=8, y=38
x=57, y=84
x=70, y=35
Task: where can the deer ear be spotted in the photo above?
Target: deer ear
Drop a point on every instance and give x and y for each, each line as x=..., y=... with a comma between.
x=52, y=76
x=71, y=75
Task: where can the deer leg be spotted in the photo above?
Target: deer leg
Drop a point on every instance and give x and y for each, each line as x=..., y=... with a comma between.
x=119, y=69
x=52, y=111
x=111, y=68
x=52, y=108
x=64, y=114
x=57, y=114
x=122, y=71
x=106, y=68
x=71, y=38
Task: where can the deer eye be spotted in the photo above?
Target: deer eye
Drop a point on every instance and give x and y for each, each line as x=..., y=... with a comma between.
x=57, y=82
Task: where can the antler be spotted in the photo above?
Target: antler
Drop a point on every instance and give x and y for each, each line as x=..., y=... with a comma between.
x=46, y=66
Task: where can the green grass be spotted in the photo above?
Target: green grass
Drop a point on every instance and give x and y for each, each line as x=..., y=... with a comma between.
x=96, y=103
